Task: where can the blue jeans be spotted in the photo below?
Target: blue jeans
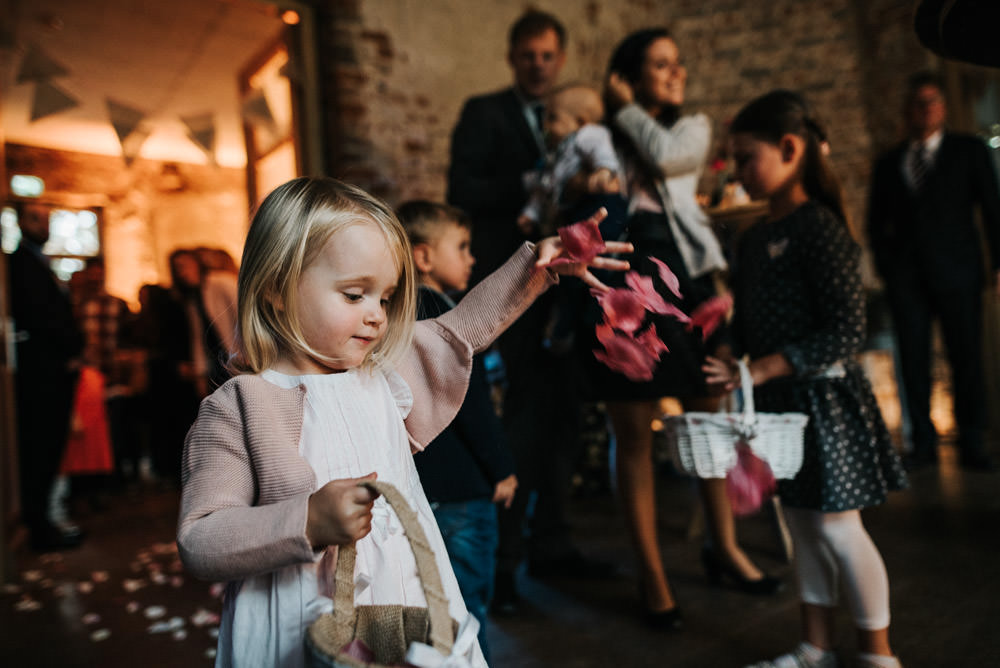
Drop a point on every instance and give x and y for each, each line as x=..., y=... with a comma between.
x=469, y=529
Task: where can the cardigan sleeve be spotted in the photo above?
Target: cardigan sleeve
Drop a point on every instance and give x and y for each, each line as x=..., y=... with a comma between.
x=223, y=534
x=438, y=367
x=679, y=149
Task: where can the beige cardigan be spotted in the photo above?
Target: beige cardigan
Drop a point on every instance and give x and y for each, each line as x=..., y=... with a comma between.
x=246, y=488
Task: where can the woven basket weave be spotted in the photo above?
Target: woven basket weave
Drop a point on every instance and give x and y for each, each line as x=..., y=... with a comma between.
x=387, y=630
x=704, y=444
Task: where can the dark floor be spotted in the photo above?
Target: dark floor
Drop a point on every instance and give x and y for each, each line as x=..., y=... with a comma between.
x=122, y=599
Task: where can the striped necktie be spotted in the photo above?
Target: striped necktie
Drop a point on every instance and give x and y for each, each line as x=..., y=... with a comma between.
x=921, y=165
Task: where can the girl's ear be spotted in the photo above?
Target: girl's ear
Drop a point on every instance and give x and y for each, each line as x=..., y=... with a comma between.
x=791, y=147
x=422, y=258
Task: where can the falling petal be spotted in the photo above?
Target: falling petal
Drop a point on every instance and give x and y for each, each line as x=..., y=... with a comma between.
x=653, y=344
x=32, y=576
x=179, y=634
x=646, y=293
x=623, y=308
x=90, y=618
x=628, y=357
x=99, y=576
x=11, y=589
x=203, y=617
x=668, y=277
x=216, y=589
x=710, y=314
x=100, y=634
x=210, y=653
x=85, y=587
x=132, y=607
x=133, y=585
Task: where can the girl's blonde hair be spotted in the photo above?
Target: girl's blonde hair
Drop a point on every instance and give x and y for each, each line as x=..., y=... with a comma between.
x=287, y=233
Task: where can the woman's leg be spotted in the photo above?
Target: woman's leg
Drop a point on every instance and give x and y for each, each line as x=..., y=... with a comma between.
x=718, y=512
x=636, y=490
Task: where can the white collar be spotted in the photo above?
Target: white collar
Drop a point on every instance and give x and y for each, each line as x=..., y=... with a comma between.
x=930, y=145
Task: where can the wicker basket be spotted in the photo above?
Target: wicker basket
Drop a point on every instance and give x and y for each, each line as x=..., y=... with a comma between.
x=387, y=630
x=703, y=444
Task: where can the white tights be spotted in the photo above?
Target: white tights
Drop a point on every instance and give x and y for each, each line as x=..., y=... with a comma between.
x=835, y=546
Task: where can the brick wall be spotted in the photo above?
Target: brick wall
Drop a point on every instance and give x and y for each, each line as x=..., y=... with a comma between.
x=397, y=71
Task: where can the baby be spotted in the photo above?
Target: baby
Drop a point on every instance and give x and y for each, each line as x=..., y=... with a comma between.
x=578, y=143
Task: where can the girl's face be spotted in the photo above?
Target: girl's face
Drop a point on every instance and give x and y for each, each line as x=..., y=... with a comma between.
x=764, y=168
x=342, y=298
x=663, y=78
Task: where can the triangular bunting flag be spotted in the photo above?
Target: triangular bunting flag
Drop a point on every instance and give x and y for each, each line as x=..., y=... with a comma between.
x=124, y=119
x=50, y=99
x=201, y=130
x=132, y=144
x=38, y=66
x=257, y=112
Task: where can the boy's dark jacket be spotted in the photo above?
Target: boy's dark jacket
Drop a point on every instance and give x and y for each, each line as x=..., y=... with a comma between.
x=469, y=457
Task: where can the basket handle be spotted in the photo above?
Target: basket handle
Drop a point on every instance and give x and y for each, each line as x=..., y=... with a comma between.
x=442, y=635
x=746, y=385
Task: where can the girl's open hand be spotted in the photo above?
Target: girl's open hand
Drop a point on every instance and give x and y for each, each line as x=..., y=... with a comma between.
x=554, y=254
x=504, y=491
x=340, y=512
x=721, y=376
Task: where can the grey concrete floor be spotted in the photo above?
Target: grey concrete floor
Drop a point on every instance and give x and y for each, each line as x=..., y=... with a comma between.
x=121, y=599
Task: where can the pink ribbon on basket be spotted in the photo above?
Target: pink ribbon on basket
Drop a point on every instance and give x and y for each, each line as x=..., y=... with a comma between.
x=749, y=483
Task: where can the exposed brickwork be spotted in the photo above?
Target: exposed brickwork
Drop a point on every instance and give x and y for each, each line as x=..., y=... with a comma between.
x=402, y=71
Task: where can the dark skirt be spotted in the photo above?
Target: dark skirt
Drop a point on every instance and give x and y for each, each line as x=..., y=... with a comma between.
x=848, y=458
x=679, y=371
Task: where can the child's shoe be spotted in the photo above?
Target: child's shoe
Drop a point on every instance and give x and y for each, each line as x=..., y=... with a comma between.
x=806, y=655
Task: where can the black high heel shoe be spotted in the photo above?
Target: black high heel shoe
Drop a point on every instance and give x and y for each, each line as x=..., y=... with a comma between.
x=718, y=570
x=660, y=620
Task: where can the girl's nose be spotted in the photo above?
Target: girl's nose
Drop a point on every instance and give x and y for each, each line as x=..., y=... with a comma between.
x=375, y=316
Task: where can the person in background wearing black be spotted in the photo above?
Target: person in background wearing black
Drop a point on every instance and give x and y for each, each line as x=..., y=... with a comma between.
x=921, y=222
x=496, y=144
x=48, y=345
x=467, y=468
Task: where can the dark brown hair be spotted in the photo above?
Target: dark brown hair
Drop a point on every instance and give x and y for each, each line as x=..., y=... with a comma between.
x=782, y=112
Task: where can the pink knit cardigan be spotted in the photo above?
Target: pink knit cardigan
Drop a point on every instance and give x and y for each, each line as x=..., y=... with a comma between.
x=245, y=486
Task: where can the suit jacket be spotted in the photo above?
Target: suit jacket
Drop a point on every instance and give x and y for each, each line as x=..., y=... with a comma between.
x=930, y=236
x=43, y=314
x=491, y=147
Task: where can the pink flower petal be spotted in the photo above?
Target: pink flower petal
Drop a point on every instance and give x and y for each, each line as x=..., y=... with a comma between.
x=623, y=308
x=668, y=277
x=627, y=356
x=643, y=287
x=357, y=649
x=653, y=344
x=749, y=483
x=710, y=314
x=582, y=240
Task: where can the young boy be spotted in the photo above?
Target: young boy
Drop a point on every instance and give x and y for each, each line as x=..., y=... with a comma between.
x=467, y=469
x=578, y=143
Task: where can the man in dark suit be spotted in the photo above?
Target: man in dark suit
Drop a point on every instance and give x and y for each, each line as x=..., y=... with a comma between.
x=48, y=343
x=926, y=246
x=497, y=140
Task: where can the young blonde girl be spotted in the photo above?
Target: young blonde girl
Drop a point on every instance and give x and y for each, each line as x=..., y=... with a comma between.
x=336, y=383
x=800, y=318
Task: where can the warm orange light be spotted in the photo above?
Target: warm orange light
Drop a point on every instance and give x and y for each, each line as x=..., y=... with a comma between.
x=290, y=17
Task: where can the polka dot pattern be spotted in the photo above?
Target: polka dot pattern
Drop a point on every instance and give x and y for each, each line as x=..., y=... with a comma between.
x=798, y=292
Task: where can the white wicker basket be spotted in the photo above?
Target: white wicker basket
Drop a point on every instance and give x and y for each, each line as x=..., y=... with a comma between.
x=704, y=444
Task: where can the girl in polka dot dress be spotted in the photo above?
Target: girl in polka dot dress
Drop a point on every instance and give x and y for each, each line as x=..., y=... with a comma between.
x=800, y=318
